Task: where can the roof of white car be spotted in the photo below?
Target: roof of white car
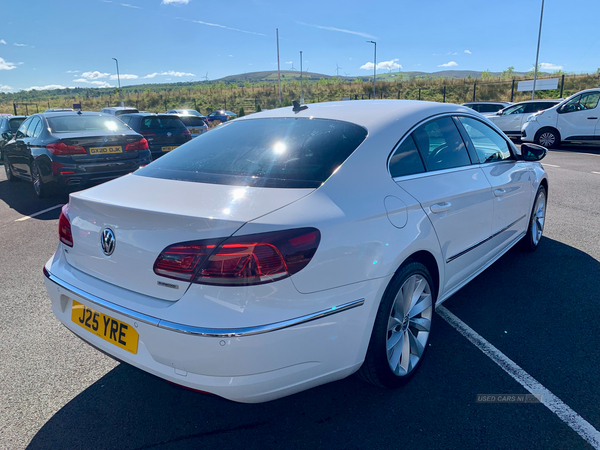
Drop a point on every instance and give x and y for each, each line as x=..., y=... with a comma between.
x=367, y=113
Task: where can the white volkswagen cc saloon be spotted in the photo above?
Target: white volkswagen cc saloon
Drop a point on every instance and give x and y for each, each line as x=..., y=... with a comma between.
x=296, y=246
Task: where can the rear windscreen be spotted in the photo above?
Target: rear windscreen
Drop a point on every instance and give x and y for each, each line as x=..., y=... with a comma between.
x=80, y=124
x=281, y=152
x=192, y=121
x=160, y=123
x=14, y=124
x=125, y=111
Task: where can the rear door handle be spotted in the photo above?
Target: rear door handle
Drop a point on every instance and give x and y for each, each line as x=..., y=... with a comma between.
x=440, y=207
x=499, y=192
x=592, y=118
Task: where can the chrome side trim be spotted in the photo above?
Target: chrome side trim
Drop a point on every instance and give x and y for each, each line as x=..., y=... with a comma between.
x=199, y=331
x=452, y=258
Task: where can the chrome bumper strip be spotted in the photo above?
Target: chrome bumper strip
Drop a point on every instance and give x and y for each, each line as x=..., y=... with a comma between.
x=199, y=331
x=452, y=258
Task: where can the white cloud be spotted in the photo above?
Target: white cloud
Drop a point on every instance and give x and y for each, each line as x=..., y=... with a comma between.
x=231, y=56
x=452, y=53
x=340, y=30
x=19, y=45
x=222, y=26
x=549, y=66
x=289, y=62
x=5, y=65
x=170, y=73
x=94, y=82
x=129, y=6
x=46, y=88
x=174, y=2
x=468, y=52
x=449, y=64
x=125, y=76
x=2, y=41
x=387, y=65
x=5, y=88
x=73, y=71
x=94, y=75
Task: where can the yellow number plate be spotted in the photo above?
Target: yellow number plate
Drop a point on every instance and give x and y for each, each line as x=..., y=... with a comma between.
x=168, y=149
x=195, y=130
x=105, y=327
x=105, y=150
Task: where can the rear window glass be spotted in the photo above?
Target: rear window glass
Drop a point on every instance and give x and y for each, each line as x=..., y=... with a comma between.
x=487, y=108
x=160, y=123
x=125, y=111
x=281, y=152
x=81, y=124
x=14, y=124
x=192, y=121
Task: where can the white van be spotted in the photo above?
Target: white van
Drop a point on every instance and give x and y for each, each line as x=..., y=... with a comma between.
x=576, y=119
x=118, y=110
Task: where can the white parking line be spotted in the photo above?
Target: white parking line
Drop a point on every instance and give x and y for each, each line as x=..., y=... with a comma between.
x=582, y=427
x=38, y=213
x=597, y=173
x=551, y=165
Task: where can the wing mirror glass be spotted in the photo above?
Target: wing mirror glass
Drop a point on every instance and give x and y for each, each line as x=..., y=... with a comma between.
x=533, y=152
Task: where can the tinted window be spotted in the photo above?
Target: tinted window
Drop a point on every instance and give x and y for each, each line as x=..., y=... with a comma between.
x=192, y=121
x=35, y=128
x=14, y=124
x=516, y=109
x=23, y=128
x=490, y=146
x=125, y=111
x=282, y=152
x=83, y=124
x=406, y=159
x=160, y=123
x=125, y=119
x=440, y=145
x=488, y=108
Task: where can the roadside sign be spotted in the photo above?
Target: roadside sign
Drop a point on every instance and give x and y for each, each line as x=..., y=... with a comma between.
x=76, y=105
x=540, y=85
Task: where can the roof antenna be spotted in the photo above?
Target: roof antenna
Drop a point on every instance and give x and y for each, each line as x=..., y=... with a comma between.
x=297, y=107
x=79, y=112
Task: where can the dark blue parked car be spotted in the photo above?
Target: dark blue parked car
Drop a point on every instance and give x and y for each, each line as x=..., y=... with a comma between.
x=221, y=115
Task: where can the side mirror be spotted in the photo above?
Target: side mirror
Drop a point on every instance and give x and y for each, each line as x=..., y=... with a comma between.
x=19, y=135
x=499, y=113
x=533, y=152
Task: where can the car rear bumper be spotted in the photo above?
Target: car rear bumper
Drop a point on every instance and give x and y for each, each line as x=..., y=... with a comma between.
x=246, y=364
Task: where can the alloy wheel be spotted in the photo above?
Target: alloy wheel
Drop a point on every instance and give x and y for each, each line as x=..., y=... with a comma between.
x=409, y=325
x=36, y=179
x=538, y=217
x=547, y=139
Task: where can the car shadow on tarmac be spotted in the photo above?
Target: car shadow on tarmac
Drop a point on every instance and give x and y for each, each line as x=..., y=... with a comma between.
x=516, y=304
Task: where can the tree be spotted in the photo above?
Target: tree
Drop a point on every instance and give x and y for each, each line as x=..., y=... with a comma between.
x=508, y=73
x=486, y=75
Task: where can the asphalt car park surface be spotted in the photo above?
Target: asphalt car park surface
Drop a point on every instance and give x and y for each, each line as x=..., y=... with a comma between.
x=540, y=310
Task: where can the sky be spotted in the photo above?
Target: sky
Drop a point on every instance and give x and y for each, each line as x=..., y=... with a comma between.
x=69, y=43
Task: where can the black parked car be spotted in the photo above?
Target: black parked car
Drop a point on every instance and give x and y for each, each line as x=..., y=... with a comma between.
x=53, y=150
x=164, y=132
x=8, y=127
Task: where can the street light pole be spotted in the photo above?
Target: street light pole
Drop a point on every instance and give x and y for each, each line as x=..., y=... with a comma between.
x=374, y=67
x=301, y=91
x=537, y=55
x=119, y=80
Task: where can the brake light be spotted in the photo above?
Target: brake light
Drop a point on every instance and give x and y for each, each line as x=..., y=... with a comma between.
x=142, y=144
x=60, y=148
x=240, y=260
x=64, y=227
x=186, y=132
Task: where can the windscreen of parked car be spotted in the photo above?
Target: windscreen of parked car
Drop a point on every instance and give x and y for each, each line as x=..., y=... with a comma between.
x=487, y=108
x=85, y=124
x=279, y=152
x=160, y=123
x=14, y=124
x=192, y=121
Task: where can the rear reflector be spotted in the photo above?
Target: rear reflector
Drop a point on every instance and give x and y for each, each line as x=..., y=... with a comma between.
x=64, y=227
x=60, y=148
x=142, y=144
x=240, y=260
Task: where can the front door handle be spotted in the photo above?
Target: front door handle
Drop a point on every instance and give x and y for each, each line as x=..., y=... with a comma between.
x=499, y=192
x=592, y=118
x=440, y=207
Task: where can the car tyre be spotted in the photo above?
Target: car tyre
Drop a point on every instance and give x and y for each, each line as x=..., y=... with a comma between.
x=42, y=190
x=547, y=137
x=8, y=171
x=402, y=327
x=531, y=240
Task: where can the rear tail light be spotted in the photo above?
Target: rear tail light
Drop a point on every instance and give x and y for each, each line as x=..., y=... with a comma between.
x=186, y=132
x=60, y=148
x=240, y=260
x=64, y=227
x=142, y=144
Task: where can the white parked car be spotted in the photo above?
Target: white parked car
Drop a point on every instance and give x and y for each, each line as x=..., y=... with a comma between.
x=487, y=107
x=511, y=119
x=576, y=119
x=294, y=247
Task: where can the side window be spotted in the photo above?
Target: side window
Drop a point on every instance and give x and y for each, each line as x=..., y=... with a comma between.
x=590, y=101
x=531, y=108
x=517, y=109
x=489, y=145
x=125, y=119
x=406, y=159
x=441, y=145
x=36, y=128
x=22, y=131
x=572, y=105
